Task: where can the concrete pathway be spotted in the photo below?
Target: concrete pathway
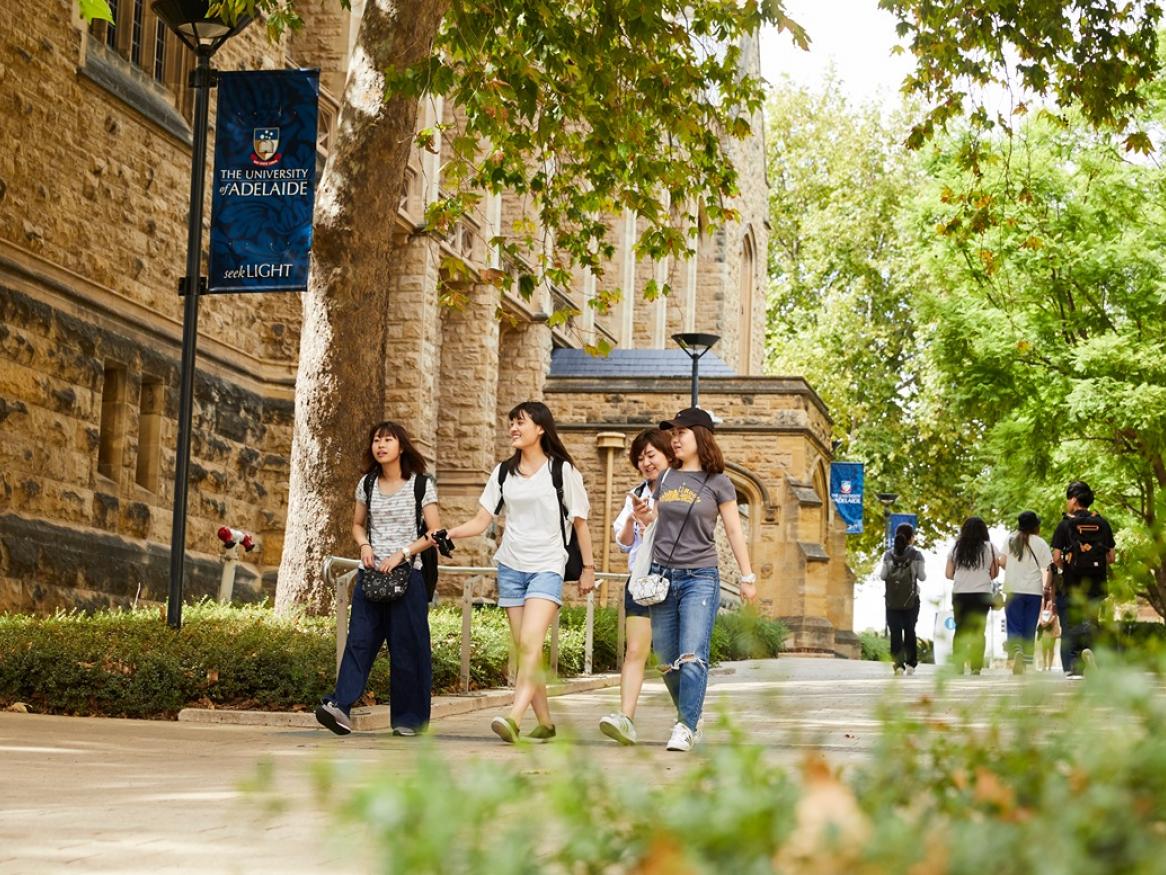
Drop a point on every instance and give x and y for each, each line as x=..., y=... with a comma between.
x=95, y=795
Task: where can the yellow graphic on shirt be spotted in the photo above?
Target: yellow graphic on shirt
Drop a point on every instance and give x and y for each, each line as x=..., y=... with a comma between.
x=681, y=493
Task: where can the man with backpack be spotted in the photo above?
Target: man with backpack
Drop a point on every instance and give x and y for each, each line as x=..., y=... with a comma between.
x=902, y=569
x=1083, y=550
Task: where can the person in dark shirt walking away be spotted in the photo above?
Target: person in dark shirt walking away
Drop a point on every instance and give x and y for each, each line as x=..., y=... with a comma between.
x=903, y=569
x=1083, y=549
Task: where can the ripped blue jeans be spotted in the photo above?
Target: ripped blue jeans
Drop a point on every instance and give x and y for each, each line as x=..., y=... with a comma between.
x=682, y=626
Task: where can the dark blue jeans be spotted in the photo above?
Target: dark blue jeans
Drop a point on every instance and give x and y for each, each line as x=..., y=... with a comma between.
x=1079, y=620
x=404, y=623
x=1021, y=613
x=682, y=627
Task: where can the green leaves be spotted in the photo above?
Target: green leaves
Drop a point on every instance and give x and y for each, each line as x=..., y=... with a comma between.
x=95, y=10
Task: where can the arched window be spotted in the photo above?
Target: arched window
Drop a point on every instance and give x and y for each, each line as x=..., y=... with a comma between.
x=745, y=332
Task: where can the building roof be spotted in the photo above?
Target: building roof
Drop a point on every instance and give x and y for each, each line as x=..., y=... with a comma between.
x=635, y=363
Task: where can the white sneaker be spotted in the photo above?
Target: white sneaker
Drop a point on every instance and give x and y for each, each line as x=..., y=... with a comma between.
x=682, y=738
x=328, y=714
x=619, y=727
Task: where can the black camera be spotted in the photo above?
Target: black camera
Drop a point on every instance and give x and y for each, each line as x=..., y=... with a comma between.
x=444, y=544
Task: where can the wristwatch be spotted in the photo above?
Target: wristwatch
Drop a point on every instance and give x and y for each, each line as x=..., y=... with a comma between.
x=748, y=578
x=406, y=553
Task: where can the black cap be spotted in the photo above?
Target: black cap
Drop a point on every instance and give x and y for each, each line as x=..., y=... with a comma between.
x=687, y=418
x=1028, y=521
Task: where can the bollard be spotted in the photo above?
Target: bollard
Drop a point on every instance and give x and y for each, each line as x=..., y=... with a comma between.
x=589, y=635
x=227, y=581
x=467, y=623
x=619, y=639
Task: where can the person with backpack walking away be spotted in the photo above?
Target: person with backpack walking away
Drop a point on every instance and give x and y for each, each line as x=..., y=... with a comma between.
x=971, y=566
x=542, y=494
x=903, y=569
x=651, y=455
x=1026, y=561
x=690, y=497
x=396, y=506
x=1083, y=549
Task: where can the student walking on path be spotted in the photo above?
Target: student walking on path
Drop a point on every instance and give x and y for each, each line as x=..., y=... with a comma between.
x=542, y=494
x=1026, y=561
x=903, y=568
x=651, y=455
x=389, y=499
x=1083, y=548
x=689, y=499
x=971, y=567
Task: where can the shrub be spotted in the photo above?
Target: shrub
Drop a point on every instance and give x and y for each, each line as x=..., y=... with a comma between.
x=874, y=646
x=1063, y=779
x=130, y=664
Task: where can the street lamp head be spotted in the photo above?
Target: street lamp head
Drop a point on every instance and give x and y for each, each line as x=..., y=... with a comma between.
x=695, y=343
x=191, y=22
x=887, y=498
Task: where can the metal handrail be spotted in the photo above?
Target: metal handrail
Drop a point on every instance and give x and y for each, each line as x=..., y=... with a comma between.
x=339, y=571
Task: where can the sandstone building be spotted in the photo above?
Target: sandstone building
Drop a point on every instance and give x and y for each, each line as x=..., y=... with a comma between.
x=94, y=125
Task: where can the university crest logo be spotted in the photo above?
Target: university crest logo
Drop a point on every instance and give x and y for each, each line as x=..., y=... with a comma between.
x=265, y=142
x=845, y=487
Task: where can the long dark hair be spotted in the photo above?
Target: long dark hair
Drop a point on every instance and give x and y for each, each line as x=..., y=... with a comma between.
x=551, y=444
x=712, y=460
x=412, y=462
x=1027, y=525
x=903, y=535
x=969, y=545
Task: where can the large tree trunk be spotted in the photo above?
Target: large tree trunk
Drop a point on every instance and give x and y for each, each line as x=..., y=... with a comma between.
x=340, y=387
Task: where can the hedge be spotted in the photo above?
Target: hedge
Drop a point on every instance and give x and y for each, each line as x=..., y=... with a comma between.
x=131, y=664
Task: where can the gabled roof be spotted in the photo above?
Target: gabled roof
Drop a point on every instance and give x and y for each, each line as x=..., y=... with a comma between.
x=635, y=363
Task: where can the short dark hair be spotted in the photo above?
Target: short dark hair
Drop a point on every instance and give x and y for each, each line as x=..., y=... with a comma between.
x=1080, y=490
x=654, y=436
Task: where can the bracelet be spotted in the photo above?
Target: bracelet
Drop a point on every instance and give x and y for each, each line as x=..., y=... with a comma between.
x=365, y=544
x=592, y=565
x=748, y=578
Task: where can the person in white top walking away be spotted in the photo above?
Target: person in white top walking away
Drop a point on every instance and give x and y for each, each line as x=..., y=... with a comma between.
x=542, y=495
x=651, y=455
x=1026, y=564
x=971, y=567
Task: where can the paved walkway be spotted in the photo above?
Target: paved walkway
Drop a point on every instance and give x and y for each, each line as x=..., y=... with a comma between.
x=93, y=795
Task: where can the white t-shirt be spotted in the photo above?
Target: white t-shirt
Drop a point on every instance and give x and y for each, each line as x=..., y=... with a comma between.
x=533, y=539
x=976, y=579
x=637, y=532
x=392, y=520
x=1025, y=575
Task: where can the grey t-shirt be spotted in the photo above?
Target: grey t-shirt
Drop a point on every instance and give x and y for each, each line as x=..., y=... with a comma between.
x=676, y=492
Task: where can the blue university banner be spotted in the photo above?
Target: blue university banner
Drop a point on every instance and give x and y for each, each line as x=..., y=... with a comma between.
x=264, y=180
x=897, y=519
x=846, y=493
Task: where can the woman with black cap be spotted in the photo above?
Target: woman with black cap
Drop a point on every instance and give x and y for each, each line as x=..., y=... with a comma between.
x=1026, y=562
x=689, y=497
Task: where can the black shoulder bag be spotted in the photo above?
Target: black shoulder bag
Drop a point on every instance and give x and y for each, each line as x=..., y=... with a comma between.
x=381, y=586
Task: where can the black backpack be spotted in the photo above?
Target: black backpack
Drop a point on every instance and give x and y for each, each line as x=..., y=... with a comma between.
x=902, y=591
x=574, y=569
x=428, y=557
x=1087, y=555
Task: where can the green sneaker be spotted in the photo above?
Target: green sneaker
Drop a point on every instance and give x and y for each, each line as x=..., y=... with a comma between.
x=505, y=728
x=542, y=733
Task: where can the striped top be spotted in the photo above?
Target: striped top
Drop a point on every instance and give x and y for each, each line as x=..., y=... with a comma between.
x=393, y=517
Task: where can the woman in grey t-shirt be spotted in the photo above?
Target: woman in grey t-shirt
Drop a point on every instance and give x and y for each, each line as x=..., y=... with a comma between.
x=971, y=567
x=688, y=499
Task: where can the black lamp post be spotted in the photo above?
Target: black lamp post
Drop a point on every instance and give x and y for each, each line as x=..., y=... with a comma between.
x=696, y=345
x=204, y=36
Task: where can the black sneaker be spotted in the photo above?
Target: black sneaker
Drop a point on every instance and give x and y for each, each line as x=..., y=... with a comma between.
x=542, y=733
x=329, y=715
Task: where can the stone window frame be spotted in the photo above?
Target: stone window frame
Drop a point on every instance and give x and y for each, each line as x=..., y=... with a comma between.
x=113, y=421
x=151, y=413
x=123, y=61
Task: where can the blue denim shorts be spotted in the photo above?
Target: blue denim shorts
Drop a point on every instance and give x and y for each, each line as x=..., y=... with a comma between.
x=515, y=587
x=630, y=608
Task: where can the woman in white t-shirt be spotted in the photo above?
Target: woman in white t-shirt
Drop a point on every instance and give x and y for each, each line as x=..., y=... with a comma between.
x=384, y=526
x=971, y=567
x=532, y=557
x=1026, y=562
x=651, y=455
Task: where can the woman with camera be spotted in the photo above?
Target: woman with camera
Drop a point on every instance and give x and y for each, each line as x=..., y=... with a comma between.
x=543, y=496
x=689, y=497
x=389, y=601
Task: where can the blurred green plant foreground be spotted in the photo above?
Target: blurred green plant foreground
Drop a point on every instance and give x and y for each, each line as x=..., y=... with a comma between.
x=130, y=664
x=1059, y=778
